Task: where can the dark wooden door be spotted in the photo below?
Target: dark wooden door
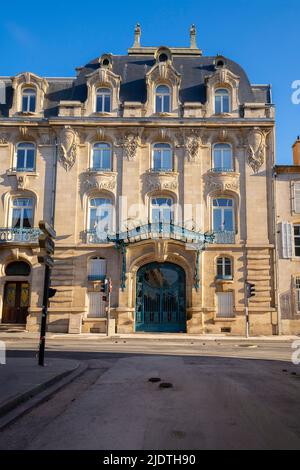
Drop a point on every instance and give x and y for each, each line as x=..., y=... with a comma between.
x=16, y=302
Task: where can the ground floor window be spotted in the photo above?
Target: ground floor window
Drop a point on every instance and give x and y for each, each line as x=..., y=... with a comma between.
x=225, y=304
x=297, y=288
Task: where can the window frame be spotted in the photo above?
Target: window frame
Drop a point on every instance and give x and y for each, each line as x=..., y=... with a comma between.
x=108, y=203
x=221, y=148
x=28, y=93
x=25, y=148
x=223, y=209
x=108, y=147
x=22, y=209
x=220, y=93
x=153, y=206
x=162, y=95
x=295, y=246
x=100, y=92
x=161, y=148
x=222, y=261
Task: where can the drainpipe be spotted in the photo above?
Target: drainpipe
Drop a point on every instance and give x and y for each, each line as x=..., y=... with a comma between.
x=276, y=262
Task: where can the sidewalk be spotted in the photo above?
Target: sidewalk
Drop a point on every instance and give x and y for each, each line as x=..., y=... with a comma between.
x=22, y=379
x=23, y=335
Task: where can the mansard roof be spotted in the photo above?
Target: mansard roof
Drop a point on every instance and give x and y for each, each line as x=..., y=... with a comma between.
x=133, y=69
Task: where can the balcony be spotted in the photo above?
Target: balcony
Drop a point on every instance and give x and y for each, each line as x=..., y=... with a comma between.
x=224, y=238
x=19, y=235
x=91, y=238
x=222, y=170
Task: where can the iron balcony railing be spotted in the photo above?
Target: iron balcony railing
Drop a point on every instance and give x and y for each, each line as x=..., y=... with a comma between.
x=96, y=169
x=224, y=238
x=21, y=170
x=222, y=170
x=19, y=235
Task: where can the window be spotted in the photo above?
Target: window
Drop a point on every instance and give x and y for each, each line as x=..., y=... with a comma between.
x=223, y=215
x=96, y=269
x=222, y=101
x=297, y=288
x=162, y=159
x=222, y=157
x=297, y=239
x=103, y=100
x=25, y=159
x=296, y=197
x=22, y=213
x=28, y=100
x=100, y=216
x=101, y=159
x=18, y=268
x=225, y=305
x=163, y=99
x=224, y=268
x=162, y=210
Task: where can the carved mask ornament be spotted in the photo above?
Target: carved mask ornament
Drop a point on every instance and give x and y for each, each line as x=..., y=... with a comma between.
x=68, y=148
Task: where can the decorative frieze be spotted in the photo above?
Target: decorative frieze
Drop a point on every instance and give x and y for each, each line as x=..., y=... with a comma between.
x=101, y=180
x=220, y=182
x=159, y=181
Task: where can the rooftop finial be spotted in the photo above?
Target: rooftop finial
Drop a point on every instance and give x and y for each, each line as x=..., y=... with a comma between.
x=137, y=35
x=193, y=34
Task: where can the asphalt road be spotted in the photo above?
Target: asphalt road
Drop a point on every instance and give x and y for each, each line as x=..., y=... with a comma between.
x=223, y=395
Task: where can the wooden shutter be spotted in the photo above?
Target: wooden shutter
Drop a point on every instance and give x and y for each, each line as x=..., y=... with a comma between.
x=287, y=230
x=296, y=198
x=97, y=268
x=97, y=308
x=225, y=304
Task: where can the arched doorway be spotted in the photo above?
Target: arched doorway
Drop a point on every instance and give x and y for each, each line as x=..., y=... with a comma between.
x=16, y=294
x=161, y=298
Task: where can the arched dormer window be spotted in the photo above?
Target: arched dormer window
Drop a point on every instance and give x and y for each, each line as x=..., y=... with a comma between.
x=162, y=210
x=28, y=100
x=101, y=157
x=162, y=99
x=103, y=100
x=222, y=158
x=222, y=101
x=224, y=268
x=25, y=159
x=162, y=158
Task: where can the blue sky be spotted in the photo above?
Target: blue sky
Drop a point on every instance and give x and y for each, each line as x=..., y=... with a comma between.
x=53, y=38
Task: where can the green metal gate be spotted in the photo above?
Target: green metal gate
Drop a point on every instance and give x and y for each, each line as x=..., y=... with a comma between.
x=161, y=298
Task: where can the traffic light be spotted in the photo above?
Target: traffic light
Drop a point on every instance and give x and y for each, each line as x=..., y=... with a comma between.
x=52, y=293
x=250, y=288
x=103, y=287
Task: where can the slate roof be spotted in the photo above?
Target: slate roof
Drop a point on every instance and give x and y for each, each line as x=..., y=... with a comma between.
x=133, y=70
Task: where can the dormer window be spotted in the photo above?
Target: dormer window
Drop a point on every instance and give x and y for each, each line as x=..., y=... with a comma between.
x=103, y=100
x=163, y=99
x=28, y=100
x=222, y=101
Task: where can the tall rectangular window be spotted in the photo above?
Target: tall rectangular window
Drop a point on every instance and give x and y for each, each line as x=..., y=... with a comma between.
x=25, y=159
x=28, y=100
x=225, y=305
x=223, y=215
x=297, y=240
x=297, y=288
x=22, y=213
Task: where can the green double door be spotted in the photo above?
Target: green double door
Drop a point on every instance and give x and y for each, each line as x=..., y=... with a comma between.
x=161, y=298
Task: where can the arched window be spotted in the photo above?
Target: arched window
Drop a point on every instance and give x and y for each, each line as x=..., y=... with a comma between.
x=162, y=99
x=18, y=268
x=25, y=157
x=22, y=213
x=97, y=269
x=102, y=157
x=103, y=100
x=222, y=101
x=162, y=210
x=224, y=268
x=223, y=215
x=100, y=216
x=28, y=100
x=162, y=158
x=222, y=157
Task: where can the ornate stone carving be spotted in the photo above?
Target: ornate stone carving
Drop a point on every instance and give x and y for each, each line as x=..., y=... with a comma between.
x=106, y=181
x=68, y=147
x=21, y=182
x=192, y=146
x=161, y=181
x=3, y=140
x=222, y=182
x=130, y=146
x=256, y=151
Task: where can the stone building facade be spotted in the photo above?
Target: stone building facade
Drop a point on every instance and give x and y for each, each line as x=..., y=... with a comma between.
x=287, y=189
x=136, y=161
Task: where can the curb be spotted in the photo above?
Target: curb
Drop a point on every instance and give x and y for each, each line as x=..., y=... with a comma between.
x=18, y=407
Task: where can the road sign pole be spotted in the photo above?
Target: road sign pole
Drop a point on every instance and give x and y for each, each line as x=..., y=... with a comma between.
x=44, y=316
x=109, y=306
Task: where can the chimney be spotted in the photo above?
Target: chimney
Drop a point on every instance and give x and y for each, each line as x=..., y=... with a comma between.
x=296, y=152
x=193, y=37
x=137, y=36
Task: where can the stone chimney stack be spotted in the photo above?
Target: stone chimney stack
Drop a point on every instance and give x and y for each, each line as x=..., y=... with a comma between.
x=137, y=36
x=193, y=37
x=296, y=152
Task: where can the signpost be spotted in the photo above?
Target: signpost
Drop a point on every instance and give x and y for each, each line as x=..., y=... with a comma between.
x=249, y=292
x=47, y=246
